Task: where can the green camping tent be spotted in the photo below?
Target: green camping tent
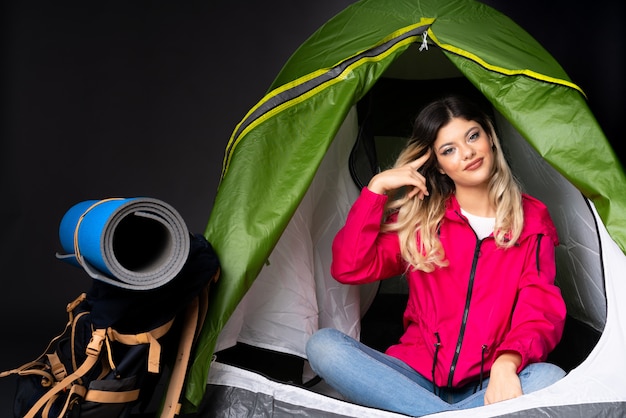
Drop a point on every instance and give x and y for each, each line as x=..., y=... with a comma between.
x=276, y=150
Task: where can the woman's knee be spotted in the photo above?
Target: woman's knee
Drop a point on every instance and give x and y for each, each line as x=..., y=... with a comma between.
x=328, y=343
x=537, y=376
x=549, y=371
x=320, y=346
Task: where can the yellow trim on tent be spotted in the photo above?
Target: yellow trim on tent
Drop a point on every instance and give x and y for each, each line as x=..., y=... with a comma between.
x=483, y=63
x=234, y=141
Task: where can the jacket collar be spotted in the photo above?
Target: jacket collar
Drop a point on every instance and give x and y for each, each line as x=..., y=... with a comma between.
x=537, y=220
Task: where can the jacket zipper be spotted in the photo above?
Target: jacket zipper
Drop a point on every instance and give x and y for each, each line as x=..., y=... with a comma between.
x=468, y=299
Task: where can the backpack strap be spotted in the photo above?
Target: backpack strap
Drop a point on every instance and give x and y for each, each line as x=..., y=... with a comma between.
x=93, y=352
x=37, y=366
x=172, y=405
x=32, y=367
x=56, y=367
x=102, y=396
x=76, y=390
x=149, y=337
x=193, y=322
x=74, y=321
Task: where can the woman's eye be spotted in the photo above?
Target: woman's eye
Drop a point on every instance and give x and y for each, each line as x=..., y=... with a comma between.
x=474, y=136
x=447, y=151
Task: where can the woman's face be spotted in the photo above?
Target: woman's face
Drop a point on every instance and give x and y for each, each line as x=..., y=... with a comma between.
x=464, y=153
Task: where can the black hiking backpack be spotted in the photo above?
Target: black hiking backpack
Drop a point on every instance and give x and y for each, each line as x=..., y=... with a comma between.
x=123, y=352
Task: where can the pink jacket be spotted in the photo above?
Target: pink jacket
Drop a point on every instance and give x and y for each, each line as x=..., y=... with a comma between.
x=460, y=318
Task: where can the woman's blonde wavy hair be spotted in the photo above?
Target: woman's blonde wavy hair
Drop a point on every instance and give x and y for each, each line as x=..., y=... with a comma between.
x=418, y=220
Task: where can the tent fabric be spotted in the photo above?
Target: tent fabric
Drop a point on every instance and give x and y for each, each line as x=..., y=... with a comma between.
x=298, y=268
x=580, y=274
x=275, y=152
x=259, y=396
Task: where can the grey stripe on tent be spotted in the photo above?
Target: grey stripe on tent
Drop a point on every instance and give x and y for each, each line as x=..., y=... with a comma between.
x=597, y=410
x=222, y=400
x=300, y=89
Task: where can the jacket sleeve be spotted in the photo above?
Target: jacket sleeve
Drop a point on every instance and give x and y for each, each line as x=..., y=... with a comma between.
x=361, y=253
x=539, y=314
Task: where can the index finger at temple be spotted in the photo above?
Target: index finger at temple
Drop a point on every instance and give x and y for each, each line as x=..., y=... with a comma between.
x=418, y=162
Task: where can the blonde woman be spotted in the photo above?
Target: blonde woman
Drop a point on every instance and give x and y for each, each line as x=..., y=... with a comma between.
x=483, y=312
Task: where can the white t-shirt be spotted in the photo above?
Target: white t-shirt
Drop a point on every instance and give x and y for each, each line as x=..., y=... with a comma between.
x=481, y=225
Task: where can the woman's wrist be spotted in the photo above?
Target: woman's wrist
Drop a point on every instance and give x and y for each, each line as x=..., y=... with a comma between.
x=374, y=186
x=509, y=361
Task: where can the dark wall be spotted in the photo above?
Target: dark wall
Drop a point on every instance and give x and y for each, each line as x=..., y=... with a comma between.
x=139, y=99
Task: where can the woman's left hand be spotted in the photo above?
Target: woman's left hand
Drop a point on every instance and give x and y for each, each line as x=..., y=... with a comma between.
x=504, y=382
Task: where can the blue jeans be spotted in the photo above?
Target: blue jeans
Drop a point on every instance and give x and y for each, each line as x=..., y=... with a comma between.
x=371, y=378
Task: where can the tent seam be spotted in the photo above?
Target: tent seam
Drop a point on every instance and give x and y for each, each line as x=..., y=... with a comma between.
x=502, y=70
x=397, y=39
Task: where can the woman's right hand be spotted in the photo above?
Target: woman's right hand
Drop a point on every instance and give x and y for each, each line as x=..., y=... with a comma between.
x=406, y=175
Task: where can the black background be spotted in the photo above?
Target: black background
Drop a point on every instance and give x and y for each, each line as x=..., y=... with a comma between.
x=104, y=99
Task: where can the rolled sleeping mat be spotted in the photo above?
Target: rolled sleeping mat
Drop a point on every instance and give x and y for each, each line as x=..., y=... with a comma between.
x=133, y=243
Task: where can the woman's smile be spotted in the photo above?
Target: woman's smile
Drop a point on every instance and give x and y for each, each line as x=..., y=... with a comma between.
x=474, y=165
